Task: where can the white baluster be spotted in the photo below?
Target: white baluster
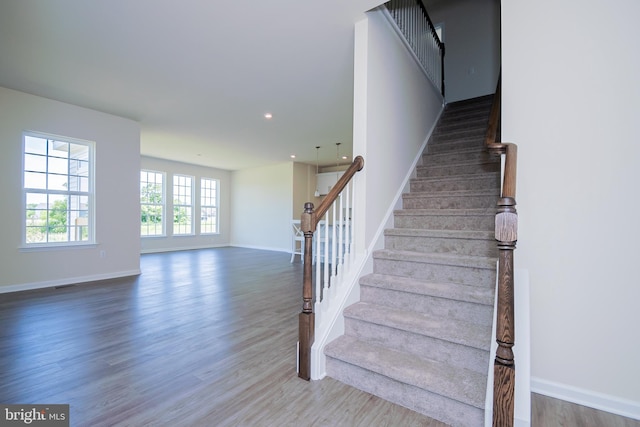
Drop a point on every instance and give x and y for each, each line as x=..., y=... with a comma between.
x=347, y=227
x=333, y=243
x=318, y=261
x=340, y=236
x=325, y=291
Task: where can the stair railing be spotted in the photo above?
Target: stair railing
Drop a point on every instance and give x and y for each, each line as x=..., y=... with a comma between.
x=506, y=233
x=334, y=252
x=414, y=23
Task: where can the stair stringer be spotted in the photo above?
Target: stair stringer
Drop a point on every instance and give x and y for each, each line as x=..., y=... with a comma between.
x=348, y=291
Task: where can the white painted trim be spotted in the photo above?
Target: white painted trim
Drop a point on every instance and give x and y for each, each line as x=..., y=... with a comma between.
x=584, y=397
x=67, y=281
x=183, y=248
x=262, y=248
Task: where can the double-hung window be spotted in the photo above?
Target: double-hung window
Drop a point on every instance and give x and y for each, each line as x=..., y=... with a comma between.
x=208, y=206
x=182, y=205
x=58, y=190
x=152, y=203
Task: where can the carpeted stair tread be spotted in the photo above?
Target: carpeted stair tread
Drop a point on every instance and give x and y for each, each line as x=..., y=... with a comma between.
x=460, y=384
x=452, y=330
x=455, y=200
x=474, y=152
x=456, y=193
x=453, y=291
x=445, y=146
x=445, y=183
x=421, y=333
x=480, y=175
x=442, y=259
x=451, y=234
x=448, y=212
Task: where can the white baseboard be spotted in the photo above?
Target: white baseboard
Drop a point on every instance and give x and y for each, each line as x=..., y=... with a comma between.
x=262, y=248
x=592, y=399
x=181, y=248
x=67, y=281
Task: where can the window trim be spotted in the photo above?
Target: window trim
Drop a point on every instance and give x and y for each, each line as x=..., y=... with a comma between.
x=90, y=194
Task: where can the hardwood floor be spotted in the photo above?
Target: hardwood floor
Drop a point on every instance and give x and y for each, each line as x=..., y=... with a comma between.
x=549, y=412
x=201, y=338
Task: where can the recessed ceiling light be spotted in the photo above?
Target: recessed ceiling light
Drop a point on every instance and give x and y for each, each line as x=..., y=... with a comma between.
x=345, y=157
x=293, y=156
x=268, y=116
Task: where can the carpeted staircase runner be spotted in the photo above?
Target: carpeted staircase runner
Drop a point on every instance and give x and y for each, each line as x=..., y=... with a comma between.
x=421, y=334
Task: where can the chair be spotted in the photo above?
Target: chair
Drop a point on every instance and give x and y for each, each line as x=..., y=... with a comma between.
x=297, y=236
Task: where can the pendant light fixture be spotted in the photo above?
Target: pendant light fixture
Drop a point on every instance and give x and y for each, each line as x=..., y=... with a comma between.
x=317, y=193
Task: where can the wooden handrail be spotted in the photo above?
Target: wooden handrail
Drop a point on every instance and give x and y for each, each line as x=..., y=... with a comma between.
x=511, y=150
x=506, y=234
x=308, y=224
x=356, y=166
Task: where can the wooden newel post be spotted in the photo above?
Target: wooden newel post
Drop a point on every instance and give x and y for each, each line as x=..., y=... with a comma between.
x=306, y=319
x=504, y=365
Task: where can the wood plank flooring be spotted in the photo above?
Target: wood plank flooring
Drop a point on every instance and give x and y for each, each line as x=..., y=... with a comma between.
x=201, y=338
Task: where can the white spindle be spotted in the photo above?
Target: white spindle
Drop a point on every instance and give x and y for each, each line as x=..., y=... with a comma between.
x=347, y=228
x=340, y=235
x=326, y=255
x=333, y=241
x=318, y=261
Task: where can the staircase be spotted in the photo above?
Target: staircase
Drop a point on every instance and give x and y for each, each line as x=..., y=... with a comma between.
x=421, y=334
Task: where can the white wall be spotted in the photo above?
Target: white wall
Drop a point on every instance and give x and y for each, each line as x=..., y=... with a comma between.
x=395, y=108
x=261, y=200
x=571, y=101
x=304, y=181
x=171, y=243
x=472, y=44
x=117, y=195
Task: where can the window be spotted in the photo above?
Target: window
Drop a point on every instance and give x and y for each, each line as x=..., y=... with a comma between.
x=182, y=205
x=58, y=190
x=208, y=206
x=151, y=203
x=440, y=31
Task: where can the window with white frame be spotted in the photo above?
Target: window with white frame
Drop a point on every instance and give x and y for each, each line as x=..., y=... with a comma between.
x=58, y=190
x=182, y=205
x=208, y=206
x=440, y=31
x=152, y=203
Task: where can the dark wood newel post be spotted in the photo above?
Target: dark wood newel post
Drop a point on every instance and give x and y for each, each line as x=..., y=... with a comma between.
x=306, y=320
x=504, y=365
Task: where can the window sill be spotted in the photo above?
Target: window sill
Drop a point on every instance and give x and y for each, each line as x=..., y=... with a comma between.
x=56, y=247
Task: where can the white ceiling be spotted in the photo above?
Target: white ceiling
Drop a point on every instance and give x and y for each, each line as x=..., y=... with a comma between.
x=197, y=74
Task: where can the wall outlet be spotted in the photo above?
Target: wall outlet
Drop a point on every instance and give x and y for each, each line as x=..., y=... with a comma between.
x=103, y=254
